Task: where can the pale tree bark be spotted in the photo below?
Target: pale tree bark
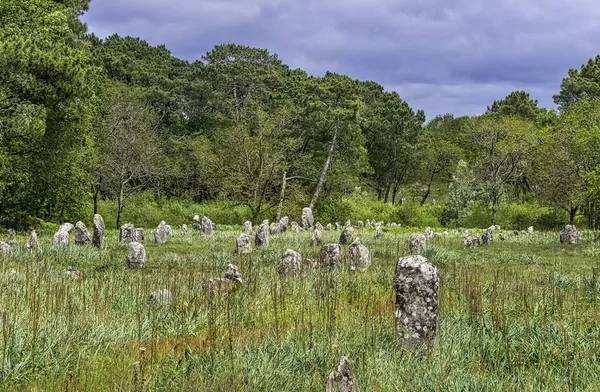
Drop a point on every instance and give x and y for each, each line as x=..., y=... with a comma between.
x=321, y=181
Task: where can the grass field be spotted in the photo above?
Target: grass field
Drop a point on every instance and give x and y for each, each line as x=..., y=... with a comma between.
x=521, y=314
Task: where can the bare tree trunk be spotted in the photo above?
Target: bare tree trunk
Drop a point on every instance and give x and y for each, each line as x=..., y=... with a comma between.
x=325, y=168
x=572, y=214
x=426, y=195
x=120, y=205
x=282, y=197
x=96, y=194
x=387, y=193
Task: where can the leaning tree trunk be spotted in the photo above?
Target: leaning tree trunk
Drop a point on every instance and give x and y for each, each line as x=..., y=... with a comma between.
x=120, y=204
x=282, y=197
x=325, y=168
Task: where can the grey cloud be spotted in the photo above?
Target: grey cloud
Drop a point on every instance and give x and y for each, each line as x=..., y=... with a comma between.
x=443, y=56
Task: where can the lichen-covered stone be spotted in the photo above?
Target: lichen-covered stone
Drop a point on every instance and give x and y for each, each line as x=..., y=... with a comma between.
x=275, y=228
x=417, y=287
x=319, y=226
x=418, y=244
x=328, y=227
x=291, y=264
x=32, y=243
x=82, y=235
x=331, y=256
x=378, y=233
x=487, y=238
x=428, y=233
x=126, y=233
x=196, y=223
x=11, y=233
x=247, y=228
x=296, y=228
x=184, y=229
x=570, y=235
x=137, y=235
x=231, y=281
x=338, y=226
x=359, y=256
x=316, y=238
x=208, y=227
x=342, y=379
x=73, y=272
x=161, y=297
x=242, y=244
x=61, y=237
x=359, y=224
x=136, y=255
x=160, y=234
x=5, y=247
x=530, y=230
x=283, y=222
x=307, y=218
x=262, y=234
x=346, y=236
x=99, y=229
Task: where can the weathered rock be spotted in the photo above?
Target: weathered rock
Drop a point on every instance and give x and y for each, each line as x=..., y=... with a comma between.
x=99, y=229
x=342, y=379
x=319, y=226
x=184, y=229
x=233, y=280
x=160, y=234
x=530, y=230
x=346, y=236
x=275, y=228
x=293, y=265
x=393, y=224
x=61, y=237
x=523, y=232
x=126, y=233
x=196, y=223
x=32, y=243
x=437, y=235
x=331, y=256
x=428, y=233
x=73, y=272
x=5, y=247
x=247, y=228
x=82, y=235
x=283, y=222
x=470, y=242
x=501, y=236
x=307, y=218
x=208, y=227
x=417, y=287
x=359, y=256
x=570, y=235
x=338, y=227
x=348, y=223
x=137, y=235
x=160, y=298
x=378, y=233
x=296, y=228
x=168, y=231
x=328, y=227
x=11, y=233
x=242, y=244
x=368, y=224
x=359, y=224
x=497, y=228
x=516, y=232
x=418, y=244
x=136, y=255
x=316, y=238
x=262, y=234
x=487, y=238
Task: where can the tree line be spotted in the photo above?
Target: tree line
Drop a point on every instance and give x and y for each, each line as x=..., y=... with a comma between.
x=84, y=119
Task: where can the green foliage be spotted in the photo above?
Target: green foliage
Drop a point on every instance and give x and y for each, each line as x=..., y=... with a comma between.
x=580, y=84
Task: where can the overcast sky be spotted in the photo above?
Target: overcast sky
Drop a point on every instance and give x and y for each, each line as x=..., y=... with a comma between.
x=443, y=56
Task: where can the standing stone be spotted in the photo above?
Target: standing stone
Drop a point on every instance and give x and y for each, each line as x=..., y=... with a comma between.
x=82, y=235
x=307, y=218
x=74, y=272
x=5, y=247
x=32, y=243
x=516, y=232
x=61, y=237
x=417, y=287
x=328, y=227
x=346, y=236
x=428, y=233
x=319, y=226
x=126, y=234
x=331, y=256
x=530, y=230
x=378, y=233
x=359, y=256
x=262, y=234
x=338, y=227
x=470, y=242
x=184, y=229
x=487, y=237
x=359, y=224
x=316, y=238
x=136, y=255
x=137, y=235
x=242, y=244
x=283, y=222
x=160, y=297
x=232, y=281
x=342, y=379
x=160, y=234
x=99, y=228
x=501, y=237
x=275, y=228
x=247, y=228
x=296, y=228
x=208, y=227
x=418, y=244
x=291, y=264
x=168, y=230
x=196, y=223
x=11, y=233
x=368, y=224
x=570, y=235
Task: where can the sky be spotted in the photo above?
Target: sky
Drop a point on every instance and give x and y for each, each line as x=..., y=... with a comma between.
x=442, y=56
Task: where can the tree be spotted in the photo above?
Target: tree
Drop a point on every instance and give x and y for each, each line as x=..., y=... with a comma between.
x=580, y=85
x=517, y=103
x=502, y=146
x=46, y=100
x=130, y=154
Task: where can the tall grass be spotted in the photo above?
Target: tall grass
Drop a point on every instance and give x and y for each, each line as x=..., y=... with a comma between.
x=521, y=314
